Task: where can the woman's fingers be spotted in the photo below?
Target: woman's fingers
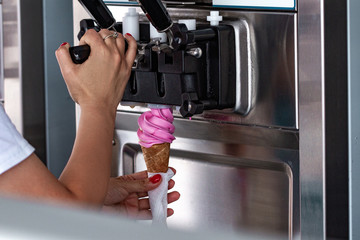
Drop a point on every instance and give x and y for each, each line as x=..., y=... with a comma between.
x=91, y=38
x=135, y=176
x=137, y=186
x=132, y=49
x=146, y=214
x=145, y=194
x=104, y=38
x=142, y=194
x=170, y=212
x=173, y=196
x=171, y=184
x=139, y=183
x=140, y=175
x=64, y=59
x=144, y=204
x=109, y=37
x=173, y=169
x=120, y=43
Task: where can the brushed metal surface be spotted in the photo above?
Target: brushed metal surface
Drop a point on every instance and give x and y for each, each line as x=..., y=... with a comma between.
x=246, y=67
x=227, y=194
x=1, y=55
x=12, y=59
x=266, y=66
x=231, y=177
x=312, y=118
x=354, y=116
x=248, y=166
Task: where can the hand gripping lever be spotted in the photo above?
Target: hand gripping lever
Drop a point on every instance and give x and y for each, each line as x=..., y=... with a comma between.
x=103, y=17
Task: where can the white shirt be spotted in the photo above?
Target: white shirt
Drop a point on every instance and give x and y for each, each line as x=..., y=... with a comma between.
x=13, y=147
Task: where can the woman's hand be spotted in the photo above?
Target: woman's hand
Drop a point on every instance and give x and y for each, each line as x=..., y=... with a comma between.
x=101, y=79
x=97, y=86
x=127, y=195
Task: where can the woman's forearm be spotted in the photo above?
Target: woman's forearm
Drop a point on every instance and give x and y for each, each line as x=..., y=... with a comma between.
x=97, y=86
x=88, y=171
x=85, y=177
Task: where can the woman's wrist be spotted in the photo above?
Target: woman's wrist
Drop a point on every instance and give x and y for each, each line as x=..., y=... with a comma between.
x=99, y=110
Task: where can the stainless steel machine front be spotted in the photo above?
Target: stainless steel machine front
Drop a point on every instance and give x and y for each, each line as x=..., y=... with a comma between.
x=235, y=172
x=261, y=172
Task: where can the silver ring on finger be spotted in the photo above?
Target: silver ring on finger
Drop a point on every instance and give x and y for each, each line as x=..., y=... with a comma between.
x=114, y=35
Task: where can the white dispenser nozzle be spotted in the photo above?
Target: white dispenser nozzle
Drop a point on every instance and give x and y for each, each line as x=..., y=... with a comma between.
x=214, y=18
x=131, y=23
x=155, y=34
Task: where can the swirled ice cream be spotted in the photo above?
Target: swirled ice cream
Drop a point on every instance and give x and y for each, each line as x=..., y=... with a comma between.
x=156, y=127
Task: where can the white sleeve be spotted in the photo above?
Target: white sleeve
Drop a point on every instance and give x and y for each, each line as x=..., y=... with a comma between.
x=13, y=147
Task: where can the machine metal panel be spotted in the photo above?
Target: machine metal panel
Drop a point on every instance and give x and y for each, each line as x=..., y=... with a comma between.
x=312, y=119
x=266, y=66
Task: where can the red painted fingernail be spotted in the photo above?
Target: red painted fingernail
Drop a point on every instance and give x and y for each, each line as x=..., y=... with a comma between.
x=155, y=179
x=64, y=43
x=129, y=34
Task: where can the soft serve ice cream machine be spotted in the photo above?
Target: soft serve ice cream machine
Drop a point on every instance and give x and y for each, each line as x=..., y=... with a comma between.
x=231, y=72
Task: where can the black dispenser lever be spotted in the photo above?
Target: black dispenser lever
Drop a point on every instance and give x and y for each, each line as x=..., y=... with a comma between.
x=157, y=14
x=104, y=19
x=100, y=12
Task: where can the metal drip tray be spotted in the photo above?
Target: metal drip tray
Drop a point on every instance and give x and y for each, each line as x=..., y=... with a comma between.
x=225, y=193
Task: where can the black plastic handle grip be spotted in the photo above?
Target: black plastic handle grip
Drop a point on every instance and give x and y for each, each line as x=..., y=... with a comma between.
x=100, y=12
x=79, y=54
x=102, y=15
x=157, y=14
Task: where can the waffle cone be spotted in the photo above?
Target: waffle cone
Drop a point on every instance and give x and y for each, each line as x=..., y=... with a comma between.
x=157, y=157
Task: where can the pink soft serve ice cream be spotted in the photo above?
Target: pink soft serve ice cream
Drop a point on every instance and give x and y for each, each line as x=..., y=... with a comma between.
x=156, y=127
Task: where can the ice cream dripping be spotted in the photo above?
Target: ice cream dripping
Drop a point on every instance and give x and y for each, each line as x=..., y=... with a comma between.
x=156, y=127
